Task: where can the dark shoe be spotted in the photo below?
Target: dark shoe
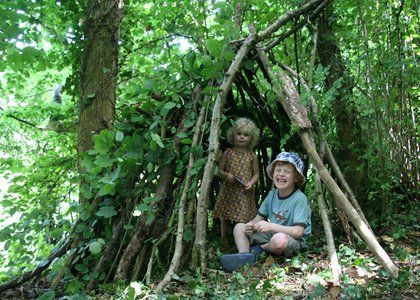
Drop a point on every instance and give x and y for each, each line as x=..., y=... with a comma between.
x=232, y=262
x=257, y=250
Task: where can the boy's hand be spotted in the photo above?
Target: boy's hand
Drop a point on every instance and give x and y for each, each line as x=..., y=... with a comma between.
x=249, y=228
x=262, y=226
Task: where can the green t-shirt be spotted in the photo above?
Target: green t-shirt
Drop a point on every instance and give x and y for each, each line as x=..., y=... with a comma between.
x=290, y=211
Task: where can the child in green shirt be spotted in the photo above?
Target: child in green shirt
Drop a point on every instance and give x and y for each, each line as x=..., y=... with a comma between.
x=284, y=218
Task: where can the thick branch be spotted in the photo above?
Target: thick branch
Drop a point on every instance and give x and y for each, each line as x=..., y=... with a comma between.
x=329, y=154
x=342, y=201
x=296, y=27
x=249, y=43
x=28, y=275
x=181, y=212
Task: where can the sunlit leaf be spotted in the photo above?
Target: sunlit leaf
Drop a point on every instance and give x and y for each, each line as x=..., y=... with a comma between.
x=95, y=247
x=106, y=211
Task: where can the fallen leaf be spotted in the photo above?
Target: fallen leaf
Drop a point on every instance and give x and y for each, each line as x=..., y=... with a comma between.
x=269, y=261
x=387, y=238
x=334, y=292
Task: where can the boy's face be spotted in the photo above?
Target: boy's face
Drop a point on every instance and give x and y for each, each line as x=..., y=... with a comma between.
x=285, y=176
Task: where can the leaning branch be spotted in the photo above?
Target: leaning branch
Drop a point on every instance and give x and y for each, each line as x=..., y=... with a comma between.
x=28, y=275
x=296, y=27
x=286, y=85
x=213, y=149
x=328, y=151
x=181, y=211
x=20, y=120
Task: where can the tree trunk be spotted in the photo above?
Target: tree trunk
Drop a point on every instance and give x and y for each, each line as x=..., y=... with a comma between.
x=348, y=129
x=142, y=230
x=99, y=70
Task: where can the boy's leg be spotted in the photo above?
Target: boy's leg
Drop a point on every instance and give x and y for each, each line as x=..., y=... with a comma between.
x=241, y=239
x=282, y=244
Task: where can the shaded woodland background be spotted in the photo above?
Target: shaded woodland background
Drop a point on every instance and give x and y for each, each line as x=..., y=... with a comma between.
x=106, y=179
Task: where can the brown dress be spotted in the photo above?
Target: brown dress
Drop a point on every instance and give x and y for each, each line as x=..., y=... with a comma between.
x=234, y=202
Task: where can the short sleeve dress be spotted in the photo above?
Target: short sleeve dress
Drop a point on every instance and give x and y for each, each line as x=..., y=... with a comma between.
x=233, y=201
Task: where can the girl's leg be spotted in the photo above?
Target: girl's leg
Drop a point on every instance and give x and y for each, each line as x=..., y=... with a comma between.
x=223, y=230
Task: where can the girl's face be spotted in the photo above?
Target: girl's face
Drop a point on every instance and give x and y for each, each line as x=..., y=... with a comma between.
x=242, y=139
x=285, y=176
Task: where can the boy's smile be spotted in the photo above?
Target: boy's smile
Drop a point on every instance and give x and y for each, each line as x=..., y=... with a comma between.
x=284, y=177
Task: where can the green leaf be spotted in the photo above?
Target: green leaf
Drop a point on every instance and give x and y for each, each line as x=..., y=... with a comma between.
x=74, y=286
x=143, y=207
x=131, y=294
x=189, y=123
x=107, y=189
x=95, y=247
x=119, y=136
x=157, y=139
x=80, y=228
x=169, y=105
x=150, y=84
x=188, y=235
x=186, y=141
x=182, y=135
x=150, y=219
x=103, y=161
x=148, y=200
x=228, y=54
x=214, y=47
x=106, y=212
x=57, y=233
x=6, y=203
x=103, y=142
x=84, y=215
x=50, y=295
x=191, y=60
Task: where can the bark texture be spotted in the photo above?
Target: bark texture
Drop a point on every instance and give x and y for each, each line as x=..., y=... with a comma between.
x=345, y=113
x=99, y=70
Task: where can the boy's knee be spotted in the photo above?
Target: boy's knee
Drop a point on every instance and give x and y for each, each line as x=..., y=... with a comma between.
x=278, y=243
x=239, y=228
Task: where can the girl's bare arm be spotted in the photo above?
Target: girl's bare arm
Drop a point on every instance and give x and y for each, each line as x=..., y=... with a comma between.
x=255, y=173
x=221, y=173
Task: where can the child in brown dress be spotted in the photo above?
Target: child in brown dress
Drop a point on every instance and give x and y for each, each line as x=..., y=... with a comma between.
x=239, y=171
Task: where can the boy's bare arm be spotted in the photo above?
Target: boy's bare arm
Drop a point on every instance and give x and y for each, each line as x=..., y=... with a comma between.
x=249, y=227
x=295, y=231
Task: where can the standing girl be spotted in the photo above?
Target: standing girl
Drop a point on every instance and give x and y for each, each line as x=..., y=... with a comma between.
x=239, y=171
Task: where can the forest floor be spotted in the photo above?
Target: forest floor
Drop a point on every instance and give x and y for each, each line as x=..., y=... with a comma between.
x=305, y=276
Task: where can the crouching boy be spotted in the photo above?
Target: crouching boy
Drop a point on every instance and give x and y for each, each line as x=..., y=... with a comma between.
x=283, y=221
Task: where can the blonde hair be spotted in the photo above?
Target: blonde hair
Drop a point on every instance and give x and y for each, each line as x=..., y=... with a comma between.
x=247, y=126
